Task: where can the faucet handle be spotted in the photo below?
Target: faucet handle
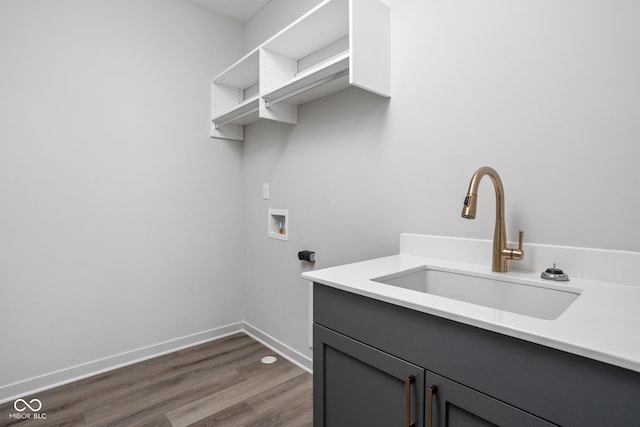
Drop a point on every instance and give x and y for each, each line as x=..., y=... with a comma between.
x=520, y=239
x=515, y=253
x=518, y=254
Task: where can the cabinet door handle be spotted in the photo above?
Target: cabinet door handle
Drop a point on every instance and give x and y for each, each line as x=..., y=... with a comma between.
x=432, y=390
x=407, y=389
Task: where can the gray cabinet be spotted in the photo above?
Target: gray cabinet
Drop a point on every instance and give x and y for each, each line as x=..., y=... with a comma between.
x=358, y=385
x=361, y=386
x=365, y=348
x=453, y=405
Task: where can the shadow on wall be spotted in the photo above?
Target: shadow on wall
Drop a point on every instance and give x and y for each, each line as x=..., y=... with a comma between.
x=326, y=121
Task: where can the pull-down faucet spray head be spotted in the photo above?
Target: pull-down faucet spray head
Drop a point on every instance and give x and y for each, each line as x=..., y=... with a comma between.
x=469, y=208
x=471, y=200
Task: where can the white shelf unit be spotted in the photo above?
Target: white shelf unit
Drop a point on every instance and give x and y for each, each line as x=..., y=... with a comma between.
x=337, y=44
x=235, y=98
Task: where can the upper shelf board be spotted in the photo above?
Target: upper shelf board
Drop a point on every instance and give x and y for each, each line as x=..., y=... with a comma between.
x=322, y=25
x=242, y=74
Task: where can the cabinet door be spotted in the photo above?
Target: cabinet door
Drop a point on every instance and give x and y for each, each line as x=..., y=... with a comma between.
x=451, y=404
x=357, y=385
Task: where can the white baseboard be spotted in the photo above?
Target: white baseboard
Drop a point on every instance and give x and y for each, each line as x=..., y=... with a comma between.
x=279, y=347
x=64, y=376
x=38, y=384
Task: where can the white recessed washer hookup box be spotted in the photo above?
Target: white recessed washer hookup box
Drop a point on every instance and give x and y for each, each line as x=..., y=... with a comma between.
x=278, y=224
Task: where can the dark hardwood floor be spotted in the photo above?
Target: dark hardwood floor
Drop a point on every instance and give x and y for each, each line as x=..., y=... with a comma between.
x=221, y=383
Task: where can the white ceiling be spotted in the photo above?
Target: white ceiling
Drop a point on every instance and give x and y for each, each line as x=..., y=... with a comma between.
x=238, y=10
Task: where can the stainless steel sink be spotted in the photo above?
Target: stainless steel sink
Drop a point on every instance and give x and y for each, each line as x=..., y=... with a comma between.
x=522, y=296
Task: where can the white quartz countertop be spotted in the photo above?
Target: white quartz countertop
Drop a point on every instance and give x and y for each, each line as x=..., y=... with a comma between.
x=603, y=323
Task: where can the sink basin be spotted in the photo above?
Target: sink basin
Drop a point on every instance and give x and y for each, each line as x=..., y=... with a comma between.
x=522, y=296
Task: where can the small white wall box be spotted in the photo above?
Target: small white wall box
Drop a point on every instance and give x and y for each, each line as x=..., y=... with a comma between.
x=278, y=224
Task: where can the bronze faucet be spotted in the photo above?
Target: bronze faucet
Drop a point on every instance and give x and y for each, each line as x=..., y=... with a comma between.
x=501, y=253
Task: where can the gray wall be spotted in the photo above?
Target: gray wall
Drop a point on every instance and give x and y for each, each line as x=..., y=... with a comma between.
x=546, y=92
x=119, y=217
x=122, y=225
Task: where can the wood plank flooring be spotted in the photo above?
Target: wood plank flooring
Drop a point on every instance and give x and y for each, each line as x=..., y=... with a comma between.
x=221, y=384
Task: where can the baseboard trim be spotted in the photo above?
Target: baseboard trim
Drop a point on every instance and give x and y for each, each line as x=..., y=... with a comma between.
x=40, y=383
x=279, y=347
x=64, y=376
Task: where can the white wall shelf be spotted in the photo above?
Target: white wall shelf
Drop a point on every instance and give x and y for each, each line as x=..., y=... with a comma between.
x=235, y=98
x=323, y=79
x=244, y=113
x=337, y=44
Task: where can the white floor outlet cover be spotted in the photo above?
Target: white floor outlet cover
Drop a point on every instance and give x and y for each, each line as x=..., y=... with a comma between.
x=268, y=360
